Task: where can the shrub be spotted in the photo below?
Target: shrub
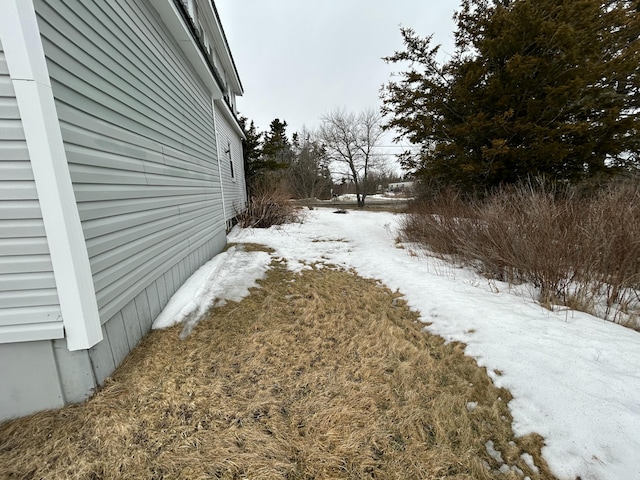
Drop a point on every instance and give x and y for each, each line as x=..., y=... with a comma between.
x=580, y=248
x=269, y=205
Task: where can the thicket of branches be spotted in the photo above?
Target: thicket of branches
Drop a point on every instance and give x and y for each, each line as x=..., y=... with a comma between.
x=577, y=248
x=269, y=205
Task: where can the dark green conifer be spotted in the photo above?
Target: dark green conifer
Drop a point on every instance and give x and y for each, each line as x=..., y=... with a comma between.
x=535, y=87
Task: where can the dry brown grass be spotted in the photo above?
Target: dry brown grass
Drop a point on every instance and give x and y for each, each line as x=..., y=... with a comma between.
x=315, y=375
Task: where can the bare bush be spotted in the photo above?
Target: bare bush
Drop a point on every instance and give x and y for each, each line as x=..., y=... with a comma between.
x=580, y=250
x=269, y=205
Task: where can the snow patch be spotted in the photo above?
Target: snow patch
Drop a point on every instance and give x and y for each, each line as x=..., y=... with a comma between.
x=493, y=453
x=228, y=276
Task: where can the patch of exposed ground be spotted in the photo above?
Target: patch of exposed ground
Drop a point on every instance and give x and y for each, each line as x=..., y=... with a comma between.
x=315, y=375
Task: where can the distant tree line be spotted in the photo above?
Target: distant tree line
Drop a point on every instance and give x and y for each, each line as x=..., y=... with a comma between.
x=341, y=156
x=534, y=88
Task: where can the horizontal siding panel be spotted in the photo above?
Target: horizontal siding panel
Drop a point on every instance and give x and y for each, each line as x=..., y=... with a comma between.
x=177, y=168
x=231, y=151
x=30, y=314
x=98, y=209
x=111, y=175
x=9, y=108
x=101, y=249
x=187, y=177
x=110, y=250
x=111, y=109
x=18, y=190
x=176, y=160
x=12, y=209
x=208, y=205
x=88, y=192
x=134, y=261
x=29, y=305
x=26, y=281
x=113, y=104
x=79, y=157
x=89, y=174
x=85, y=147
x=31, y=332
x=23, y=246
x=91, y=27
x=154, y=36
x=11, y=129
x=13, y=150
x=33, y=298
x=205, y=235
x=15, y=170
x=32, y=227
x=115, y=291
x=6, y=86
x=103, y=40
x=142, y=99
x=204, y=215
x=82, y=129
x=25, y=264
x=103, y=226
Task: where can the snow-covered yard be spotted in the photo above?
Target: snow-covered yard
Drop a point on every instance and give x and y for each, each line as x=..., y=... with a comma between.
x=574, y=377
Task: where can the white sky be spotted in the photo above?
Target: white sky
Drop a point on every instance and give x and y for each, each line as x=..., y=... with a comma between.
x=574, y=378
x=298, y=60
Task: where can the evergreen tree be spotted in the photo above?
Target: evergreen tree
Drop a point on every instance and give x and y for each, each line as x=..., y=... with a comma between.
x=534, y=87
x=276, y=150
x=251, y=149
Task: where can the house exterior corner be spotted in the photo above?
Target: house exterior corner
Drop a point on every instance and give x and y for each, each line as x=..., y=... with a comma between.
x=142, y=97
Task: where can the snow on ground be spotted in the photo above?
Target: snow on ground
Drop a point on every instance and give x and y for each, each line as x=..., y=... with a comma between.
x=351, y=197
x=228, y=276
x=574, y=378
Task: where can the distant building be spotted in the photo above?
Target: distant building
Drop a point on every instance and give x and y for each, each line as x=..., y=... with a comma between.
x=120, y=172
x=401, y=187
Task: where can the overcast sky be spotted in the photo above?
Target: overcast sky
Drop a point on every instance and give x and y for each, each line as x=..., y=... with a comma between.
x=300, y=59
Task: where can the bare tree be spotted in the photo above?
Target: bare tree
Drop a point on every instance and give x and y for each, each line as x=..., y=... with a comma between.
x=350, y=141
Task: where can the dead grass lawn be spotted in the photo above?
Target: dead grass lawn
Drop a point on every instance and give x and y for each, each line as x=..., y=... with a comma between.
x=313, y=376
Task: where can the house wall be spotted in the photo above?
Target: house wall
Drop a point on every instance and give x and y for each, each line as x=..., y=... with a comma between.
x=139, y=134
x=140, y=141
x=29, y=305
x=231, y=163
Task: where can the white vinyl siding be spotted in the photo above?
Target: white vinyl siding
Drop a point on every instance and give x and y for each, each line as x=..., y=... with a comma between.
x=29, y=305
x=230, y=150
x=140, y=141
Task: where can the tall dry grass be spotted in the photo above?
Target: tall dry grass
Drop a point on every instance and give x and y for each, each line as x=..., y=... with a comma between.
x=316, y=375
x=577, y=248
